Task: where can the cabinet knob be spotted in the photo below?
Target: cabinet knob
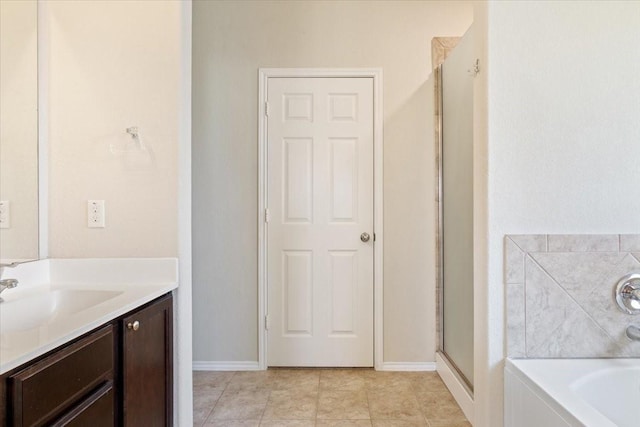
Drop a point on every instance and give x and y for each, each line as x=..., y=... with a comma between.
x=133, y=326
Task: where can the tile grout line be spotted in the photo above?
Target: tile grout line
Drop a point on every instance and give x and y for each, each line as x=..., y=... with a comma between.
x=223, y=391
x=524, y=297
x=547, y=246
x=315, y=419
x=266, y=405
x=545, y=272
x=415, y=396
x=555, y=281
x=210, y=411
x=366, y=393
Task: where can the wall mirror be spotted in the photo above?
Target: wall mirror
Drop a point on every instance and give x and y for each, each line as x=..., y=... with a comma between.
x=19, y=223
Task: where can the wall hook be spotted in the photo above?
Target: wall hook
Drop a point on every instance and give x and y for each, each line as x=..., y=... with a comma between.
x=476, y=68
x=133, y=131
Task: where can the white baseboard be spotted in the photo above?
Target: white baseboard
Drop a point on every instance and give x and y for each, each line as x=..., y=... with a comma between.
x=408, y=366
x=225, y=366
x=455, y=386
x=255, y=366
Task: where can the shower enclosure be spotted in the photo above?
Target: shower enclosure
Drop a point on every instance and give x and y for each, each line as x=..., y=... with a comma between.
x=455, y=217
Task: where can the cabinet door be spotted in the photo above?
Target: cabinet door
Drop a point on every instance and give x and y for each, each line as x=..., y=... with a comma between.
x=147, y=365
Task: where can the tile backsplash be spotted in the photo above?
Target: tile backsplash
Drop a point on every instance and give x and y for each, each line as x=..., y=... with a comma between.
x=560, y=295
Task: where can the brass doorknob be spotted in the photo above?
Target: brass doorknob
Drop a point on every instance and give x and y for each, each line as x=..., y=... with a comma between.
x=133, y=326
x=365, y=237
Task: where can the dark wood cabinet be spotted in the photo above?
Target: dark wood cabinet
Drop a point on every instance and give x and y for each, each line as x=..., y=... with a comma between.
x=147, y=365
x=97, y=410
x=49, y=389
x=120, y=374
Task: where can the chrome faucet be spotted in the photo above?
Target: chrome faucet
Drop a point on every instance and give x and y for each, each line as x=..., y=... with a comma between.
x=627, y=293
x=631, y=293
x=7, y=284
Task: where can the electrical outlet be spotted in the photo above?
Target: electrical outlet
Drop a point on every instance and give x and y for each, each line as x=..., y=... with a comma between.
x=5, y=214
x=95, y=214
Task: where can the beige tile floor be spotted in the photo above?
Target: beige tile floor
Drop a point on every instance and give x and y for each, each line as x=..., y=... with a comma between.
x=323, y=398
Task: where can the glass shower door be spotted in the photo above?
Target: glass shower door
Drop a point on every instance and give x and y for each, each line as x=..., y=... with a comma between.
x=456, y=204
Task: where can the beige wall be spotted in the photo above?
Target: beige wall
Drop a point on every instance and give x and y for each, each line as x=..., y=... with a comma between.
x=113, y=65
x=558, y=144
x=19, y=128
x=231, y=40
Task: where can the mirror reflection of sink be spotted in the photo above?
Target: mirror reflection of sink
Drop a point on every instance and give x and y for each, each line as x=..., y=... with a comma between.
x=35, y=310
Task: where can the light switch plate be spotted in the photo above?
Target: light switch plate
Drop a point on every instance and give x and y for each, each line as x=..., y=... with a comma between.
x=95, y=214
x=5, y=214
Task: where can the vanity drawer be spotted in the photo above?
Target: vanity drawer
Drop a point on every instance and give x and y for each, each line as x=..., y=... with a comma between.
x=97, y=410
x=51, y=386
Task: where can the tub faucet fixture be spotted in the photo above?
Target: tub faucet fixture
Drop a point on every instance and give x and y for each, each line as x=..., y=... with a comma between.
x=627, y=293
x=633, y=333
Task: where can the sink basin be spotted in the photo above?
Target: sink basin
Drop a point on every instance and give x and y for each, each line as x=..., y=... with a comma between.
x=35, y=310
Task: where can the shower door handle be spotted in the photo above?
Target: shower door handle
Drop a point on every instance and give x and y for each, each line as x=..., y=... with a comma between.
x=365, y=237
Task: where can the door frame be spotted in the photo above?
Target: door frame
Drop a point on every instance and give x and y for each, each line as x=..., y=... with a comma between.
x=264, y=75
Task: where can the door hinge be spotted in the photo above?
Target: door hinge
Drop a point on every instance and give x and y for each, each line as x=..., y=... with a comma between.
x=266, y=109
x=267, y=215
x=267, y=323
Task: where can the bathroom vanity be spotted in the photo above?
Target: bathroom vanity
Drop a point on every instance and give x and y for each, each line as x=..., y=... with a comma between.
x=120, y=371
x=75, y=351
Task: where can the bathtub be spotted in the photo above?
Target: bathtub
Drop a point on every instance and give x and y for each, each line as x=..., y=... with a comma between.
x=572, y=392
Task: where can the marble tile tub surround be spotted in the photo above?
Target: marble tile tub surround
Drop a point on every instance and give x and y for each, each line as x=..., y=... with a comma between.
x=559, y=295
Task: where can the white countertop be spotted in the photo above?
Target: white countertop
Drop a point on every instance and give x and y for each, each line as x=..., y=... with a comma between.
x=120, y=285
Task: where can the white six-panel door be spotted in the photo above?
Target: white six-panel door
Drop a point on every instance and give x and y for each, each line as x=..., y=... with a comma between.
x=320, y=202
